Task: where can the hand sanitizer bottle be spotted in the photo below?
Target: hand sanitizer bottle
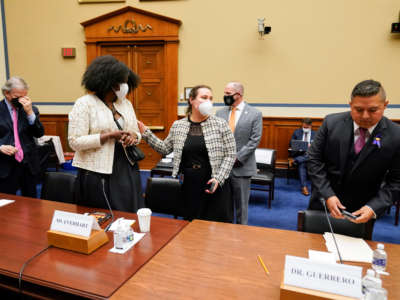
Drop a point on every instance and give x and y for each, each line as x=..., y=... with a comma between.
x=129, y=234
x=119, y=238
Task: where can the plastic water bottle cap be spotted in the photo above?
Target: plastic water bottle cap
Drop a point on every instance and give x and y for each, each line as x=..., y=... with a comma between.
x=381, y=246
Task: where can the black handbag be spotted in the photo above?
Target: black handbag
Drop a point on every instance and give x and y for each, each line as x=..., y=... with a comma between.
x=132, y=153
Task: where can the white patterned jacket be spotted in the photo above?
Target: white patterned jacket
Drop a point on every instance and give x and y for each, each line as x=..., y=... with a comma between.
x=218, y=137
x=88, y=119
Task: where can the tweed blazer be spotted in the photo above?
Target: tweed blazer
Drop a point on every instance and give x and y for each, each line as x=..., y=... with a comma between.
x=218, y=138
x=88, y=119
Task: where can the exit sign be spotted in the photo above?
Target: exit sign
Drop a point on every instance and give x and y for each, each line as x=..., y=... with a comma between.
x=68, y=52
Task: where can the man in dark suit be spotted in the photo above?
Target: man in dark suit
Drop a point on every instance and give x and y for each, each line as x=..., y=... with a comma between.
x=246, y=124
x=19, y=124
x=354, y=161
x=300, y=158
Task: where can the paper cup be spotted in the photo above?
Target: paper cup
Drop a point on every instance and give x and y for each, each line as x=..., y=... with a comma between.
x=144, y=216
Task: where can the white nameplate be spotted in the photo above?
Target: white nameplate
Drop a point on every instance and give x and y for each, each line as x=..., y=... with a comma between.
x=338, y=279
x=73, y=223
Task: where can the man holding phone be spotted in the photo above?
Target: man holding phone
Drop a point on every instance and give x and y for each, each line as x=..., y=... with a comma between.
x=354, y=161
x=19, y=125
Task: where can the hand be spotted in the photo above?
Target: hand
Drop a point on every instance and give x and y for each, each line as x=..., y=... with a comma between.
x=142, y=127
x=116, y=135
x=8, y=150
x=215, y=186
x=237, y=164
x=26, y=103
x=128, y=139
x=334, y=205
x=364, y=214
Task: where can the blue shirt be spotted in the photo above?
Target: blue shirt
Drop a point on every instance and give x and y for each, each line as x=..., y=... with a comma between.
x=31, y=117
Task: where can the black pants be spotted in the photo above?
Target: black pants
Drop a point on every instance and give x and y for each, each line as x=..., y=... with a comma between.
x=89, y=189
x=20, y=177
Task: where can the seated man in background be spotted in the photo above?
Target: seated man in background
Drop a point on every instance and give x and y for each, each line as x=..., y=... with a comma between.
x=298, y=154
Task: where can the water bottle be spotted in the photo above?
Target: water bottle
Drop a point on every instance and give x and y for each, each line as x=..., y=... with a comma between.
x=379, y=258
x=119, y=238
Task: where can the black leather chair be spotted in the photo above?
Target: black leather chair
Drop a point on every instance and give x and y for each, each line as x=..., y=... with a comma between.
x=47, y=157
x=163, y=168
x=58, y=186
x=265, y=176
x=163, y=196
x=315, y=221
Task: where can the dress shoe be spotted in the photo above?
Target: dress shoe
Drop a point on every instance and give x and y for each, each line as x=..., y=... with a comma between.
x=304, y=191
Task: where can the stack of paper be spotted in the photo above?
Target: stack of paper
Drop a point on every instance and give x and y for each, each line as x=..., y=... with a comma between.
x=351, y=249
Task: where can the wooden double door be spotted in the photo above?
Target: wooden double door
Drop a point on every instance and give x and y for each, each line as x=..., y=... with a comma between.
x=149, y=99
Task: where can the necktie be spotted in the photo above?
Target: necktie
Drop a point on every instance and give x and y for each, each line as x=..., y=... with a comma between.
x=360, y=142
x=19, y=155
x=232, y=119
x=305, y=136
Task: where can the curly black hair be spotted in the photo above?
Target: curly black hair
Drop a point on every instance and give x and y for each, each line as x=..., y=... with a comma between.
x=105, y=73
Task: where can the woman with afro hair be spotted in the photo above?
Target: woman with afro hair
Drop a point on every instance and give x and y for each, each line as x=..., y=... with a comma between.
x=101, y=124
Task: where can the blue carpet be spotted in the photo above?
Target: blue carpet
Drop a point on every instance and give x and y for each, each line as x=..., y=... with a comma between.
x=283, y=213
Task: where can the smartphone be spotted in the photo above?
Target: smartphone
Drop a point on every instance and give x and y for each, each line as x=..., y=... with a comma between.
x=211, y=186
x=348, y=215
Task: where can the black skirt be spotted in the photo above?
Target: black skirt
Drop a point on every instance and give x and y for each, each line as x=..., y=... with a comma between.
x=198, y=204
x=122, y=187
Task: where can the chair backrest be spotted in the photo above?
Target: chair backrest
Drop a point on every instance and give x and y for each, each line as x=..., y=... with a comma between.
x=58, y=186
x=163, y=195
x=315, y=221
x=265, y=158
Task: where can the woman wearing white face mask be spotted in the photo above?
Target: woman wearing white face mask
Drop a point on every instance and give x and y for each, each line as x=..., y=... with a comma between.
x=204, y=152
x=101, y=123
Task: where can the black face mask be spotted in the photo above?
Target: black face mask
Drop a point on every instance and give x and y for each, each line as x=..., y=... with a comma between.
x=228, y=99
x=15, y=103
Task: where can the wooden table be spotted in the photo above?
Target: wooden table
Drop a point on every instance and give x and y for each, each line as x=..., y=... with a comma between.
x=59, y=273
x=209, y=260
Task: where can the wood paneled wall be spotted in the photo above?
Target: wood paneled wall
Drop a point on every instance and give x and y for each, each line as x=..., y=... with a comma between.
x=277, y=132
x=276, y=135
x=57, y=125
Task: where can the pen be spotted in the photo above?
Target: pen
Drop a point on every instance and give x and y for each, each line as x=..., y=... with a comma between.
x=263, y=265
